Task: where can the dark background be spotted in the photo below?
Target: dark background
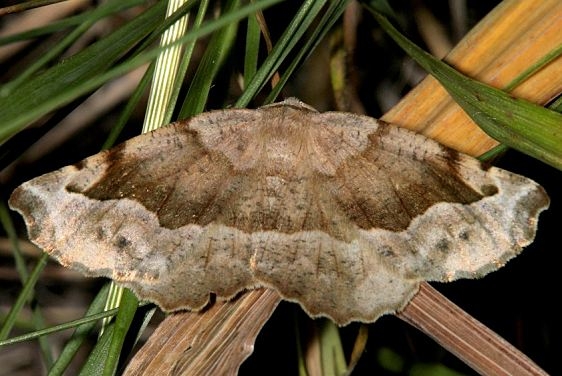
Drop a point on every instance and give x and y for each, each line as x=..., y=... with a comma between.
x=517, y=301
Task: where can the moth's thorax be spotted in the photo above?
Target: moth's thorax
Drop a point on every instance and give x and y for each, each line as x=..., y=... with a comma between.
x=286, y=140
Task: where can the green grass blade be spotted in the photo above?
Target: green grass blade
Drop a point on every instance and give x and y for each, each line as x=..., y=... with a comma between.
x=8, y=225
x=522, y=125
x=95, y=363
x=166, y=70
x=292, y=34
x=166, y=24
x=551, y=56
x=127, y=112
x=7, y=89
x=36, y=316
x=145, y=322
x=33, y=94
x=25, y=294
x=80, y=334
x=25, y=5
x=127, y=308
x=113, y=300
x=104, y=10
x=184, y=64
x=163, y=77
x=57, y=328
x=331, y=349
x=252, y=48
x=502, y=148
x=162, y=85
x=86, y=21
x=324, y=25
x=494, y=152
x=12, y=121
x=212, y=60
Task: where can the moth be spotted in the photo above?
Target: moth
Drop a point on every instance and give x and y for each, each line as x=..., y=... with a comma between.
x=341, y=213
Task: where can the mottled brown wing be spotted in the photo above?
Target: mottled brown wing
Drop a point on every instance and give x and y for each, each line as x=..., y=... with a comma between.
x=340, y=213
x=113, y=215
x=429, y=212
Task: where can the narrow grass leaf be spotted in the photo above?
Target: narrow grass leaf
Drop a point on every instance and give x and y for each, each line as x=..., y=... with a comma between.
x=252, y=48
x=10, y=123
x=293, y=33
x=95, y=363
x=331, y=349
x=58, y=328
x=27, y=103
x=163, y=77
x=551, y=56
x=212, y=60
x=36, y=316
x=87, y=19
x=127, y=112
x=25, y=5
x=329, y=17
x=166, y=71
x=80, y=334
x=8, y=225
x=51, y=54
x=185, y=61
x=524, y=126
x=25, y=294
x=127, y=309
x=104, y=10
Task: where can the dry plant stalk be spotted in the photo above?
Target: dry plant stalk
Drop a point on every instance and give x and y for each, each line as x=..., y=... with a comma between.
x=504, y=44
x=464, y=336
x=510, y=39
x=213, y=342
